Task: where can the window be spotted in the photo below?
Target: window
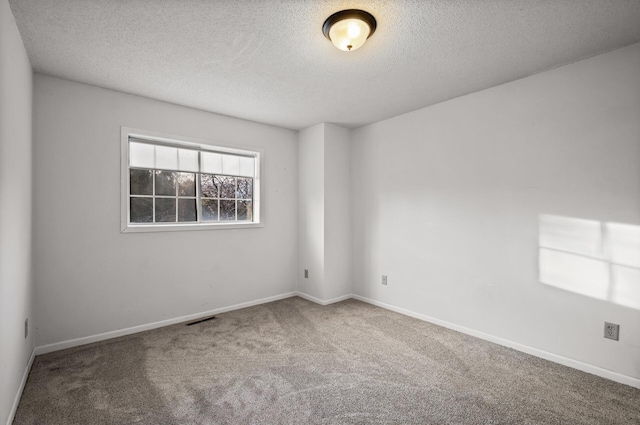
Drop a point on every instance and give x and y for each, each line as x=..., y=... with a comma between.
x=171, y=184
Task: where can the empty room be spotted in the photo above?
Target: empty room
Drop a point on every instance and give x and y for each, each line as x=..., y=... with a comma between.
x=319, y=212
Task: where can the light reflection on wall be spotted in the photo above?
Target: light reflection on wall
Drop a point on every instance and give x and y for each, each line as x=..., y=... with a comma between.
x=592, y=258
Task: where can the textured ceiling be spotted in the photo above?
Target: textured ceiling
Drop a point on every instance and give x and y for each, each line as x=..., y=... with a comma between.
x=268, y=61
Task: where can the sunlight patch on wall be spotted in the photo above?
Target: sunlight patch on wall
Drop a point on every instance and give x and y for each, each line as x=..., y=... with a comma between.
x=592, y=258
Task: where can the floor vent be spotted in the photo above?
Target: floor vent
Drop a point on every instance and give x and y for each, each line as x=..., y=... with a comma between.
x=206, y=319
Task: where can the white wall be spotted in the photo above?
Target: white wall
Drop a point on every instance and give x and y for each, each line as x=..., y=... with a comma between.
x=311, y=211
x=89, y=277
x=337, y=213
x=446, y=202
x=324, y=205
x=15, y=210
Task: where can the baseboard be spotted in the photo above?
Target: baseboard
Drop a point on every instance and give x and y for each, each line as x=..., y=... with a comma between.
x=323, y=302
x=585, y=367
x=566, y=361
x=16, y=400
x=57, y=346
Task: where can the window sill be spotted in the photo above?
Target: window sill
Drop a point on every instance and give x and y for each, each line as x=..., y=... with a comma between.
x=142, y=228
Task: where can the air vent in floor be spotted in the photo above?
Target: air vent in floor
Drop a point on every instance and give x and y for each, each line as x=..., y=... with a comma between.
x=206, y=319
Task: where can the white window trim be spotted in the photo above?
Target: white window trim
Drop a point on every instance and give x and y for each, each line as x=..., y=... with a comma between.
x=206, y=145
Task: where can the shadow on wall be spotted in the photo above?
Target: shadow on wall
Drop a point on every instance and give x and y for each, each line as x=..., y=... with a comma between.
x=592, y=258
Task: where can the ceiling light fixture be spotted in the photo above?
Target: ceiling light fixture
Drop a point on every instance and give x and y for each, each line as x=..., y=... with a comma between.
x=349, y=29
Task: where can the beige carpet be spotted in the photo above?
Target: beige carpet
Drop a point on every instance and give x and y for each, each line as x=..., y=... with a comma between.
x=295, y=362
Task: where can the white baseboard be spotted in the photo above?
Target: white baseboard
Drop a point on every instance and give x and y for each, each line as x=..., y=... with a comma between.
x=323, y=302
x=585, y=367
x=16, y=400
x=43, y=349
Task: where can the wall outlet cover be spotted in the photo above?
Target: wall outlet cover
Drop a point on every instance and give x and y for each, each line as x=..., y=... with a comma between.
x=384, y=279
x=611, y=331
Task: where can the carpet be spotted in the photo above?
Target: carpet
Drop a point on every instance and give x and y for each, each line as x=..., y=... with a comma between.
x=296, y=362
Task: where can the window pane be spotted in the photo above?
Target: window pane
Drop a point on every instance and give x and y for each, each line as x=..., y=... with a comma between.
x=209, y=186
x=230, y=165
x=165, y=183
x=141, y=155
x=209, y=210
x=186, y=184
x=165, y=210
x=245, y=188
x=245, y=210
x=187, y=160
x=211, y=162
x=141, y=182
x=166, y=157
x=227, y=210
x=227, y=186
x=186, y=210
x=141, y=210
x=247, y=166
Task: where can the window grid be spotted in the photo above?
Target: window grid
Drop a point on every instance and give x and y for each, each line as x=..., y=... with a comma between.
x=219, y=197
x=198, y=197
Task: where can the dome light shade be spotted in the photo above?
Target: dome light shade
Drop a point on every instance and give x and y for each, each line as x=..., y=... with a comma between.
x=349, y=29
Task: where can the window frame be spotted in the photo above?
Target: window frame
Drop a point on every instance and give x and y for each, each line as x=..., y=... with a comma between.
x=159, y=138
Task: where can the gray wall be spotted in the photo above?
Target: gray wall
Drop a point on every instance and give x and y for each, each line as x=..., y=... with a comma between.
x=89, y=277
x=447, y=201
x=15, y=210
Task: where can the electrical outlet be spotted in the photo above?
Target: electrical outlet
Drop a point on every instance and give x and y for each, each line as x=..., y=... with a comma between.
x=306, y=274
x=611, y=331
x=384, y=279
x=26, y=327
